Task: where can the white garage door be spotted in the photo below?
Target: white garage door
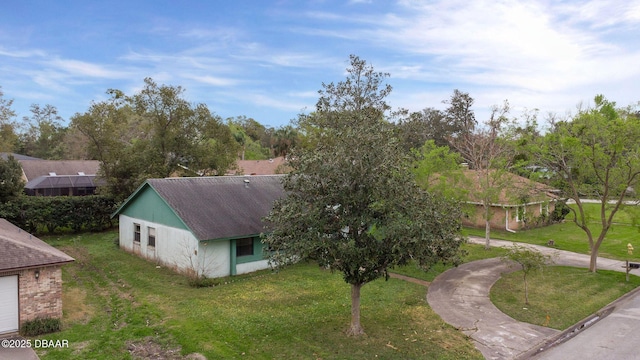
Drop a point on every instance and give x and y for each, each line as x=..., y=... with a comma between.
x=8, y=303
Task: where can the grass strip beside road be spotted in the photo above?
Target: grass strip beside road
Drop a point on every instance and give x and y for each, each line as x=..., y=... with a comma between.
x=559, y=296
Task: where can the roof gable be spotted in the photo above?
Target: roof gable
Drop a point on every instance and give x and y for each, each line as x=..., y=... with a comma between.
x=147, y=204
x=218, y=207
x=22, y=250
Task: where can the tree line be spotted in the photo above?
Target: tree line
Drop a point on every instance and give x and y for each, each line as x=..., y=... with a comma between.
x=371, y=187
x=153, y=133
x=156, y=132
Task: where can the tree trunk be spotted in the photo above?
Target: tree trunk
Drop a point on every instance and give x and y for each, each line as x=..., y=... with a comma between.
x=526, y=290
x=593, y=263
x=487, y=234
x=355, y=329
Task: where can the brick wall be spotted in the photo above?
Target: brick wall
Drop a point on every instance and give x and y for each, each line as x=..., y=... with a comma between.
x=41, y=297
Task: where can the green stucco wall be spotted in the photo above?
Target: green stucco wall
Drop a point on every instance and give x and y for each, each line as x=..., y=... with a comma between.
x=150, y=206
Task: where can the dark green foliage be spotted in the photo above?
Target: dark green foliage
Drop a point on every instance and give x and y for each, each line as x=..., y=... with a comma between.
x=155, y=133
x=40, y=326
x=560, y=211
x=352, y=202
x=44, y=135
x=11, y=183
x=202, y=282
x=38, y=214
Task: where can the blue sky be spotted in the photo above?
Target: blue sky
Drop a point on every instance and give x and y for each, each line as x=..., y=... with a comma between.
x=268, y=59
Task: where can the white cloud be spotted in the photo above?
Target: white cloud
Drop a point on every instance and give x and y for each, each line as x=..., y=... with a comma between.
x=211, y=80
x=79, y=68
x=22, y=53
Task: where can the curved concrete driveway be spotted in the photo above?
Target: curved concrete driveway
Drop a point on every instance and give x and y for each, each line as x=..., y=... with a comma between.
x=461, y=297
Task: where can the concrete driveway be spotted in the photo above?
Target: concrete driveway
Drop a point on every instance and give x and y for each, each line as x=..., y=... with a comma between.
x=461, y=297
x=16, y=353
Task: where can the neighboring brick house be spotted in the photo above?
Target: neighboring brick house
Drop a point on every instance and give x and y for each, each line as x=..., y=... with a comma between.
x=204, y=226
x=30, y=278
x=518, y=200
x=261, y=167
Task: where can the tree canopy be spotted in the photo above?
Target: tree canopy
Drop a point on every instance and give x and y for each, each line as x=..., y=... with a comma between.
x=154, y=133
x=595, y=155
x=11, y=183
x=352, y=202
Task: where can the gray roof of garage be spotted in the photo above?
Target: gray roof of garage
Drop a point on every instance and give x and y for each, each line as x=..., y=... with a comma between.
x=21, y=250
x=220, y=207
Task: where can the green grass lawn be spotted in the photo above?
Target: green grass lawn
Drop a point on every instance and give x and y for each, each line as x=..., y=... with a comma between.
x=116, y=304
x=473, y=252
x=567, y=236
x=565, y=294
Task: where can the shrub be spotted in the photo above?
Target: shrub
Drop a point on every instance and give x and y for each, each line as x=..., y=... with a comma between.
x=39, y=213
x=560, y=211
x=40, y=326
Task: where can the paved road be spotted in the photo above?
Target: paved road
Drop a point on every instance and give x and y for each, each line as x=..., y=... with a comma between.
x=461, y=297
x=616, y=336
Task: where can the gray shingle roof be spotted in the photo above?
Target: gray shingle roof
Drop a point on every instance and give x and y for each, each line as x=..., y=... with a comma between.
x=5, y=156
x=221, y=206
x=34, y=168
x=20, y=250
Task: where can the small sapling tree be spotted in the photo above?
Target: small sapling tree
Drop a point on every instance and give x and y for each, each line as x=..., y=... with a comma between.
x=529, y=260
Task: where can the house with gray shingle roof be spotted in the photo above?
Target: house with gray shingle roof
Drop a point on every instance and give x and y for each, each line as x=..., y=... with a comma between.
x=30, y=278
x=60, y=177
x=204, y=226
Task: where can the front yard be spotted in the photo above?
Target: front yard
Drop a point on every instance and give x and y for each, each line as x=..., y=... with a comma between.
x=117, y=306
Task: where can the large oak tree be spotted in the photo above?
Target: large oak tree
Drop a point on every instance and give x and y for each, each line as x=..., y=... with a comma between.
x=154, y=133
x=352, y=203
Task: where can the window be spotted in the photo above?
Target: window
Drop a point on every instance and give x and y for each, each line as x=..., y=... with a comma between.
x=136, y=233
x=152, y=237
x=244, y=247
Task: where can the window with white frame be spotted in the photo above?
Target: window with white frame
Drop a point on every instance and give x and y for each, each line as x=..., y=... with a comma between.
x=152, y=237
x=136, y=233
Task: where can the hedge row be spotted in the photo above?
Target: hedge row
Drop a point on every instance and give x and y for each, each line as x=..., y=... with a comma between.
x=37, y=214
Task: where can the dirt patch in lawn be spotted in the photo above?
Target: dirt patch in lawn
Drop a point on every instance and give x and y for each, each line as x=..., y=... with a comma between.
x=75, y=306
x=149, y=349
x=409, y=279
